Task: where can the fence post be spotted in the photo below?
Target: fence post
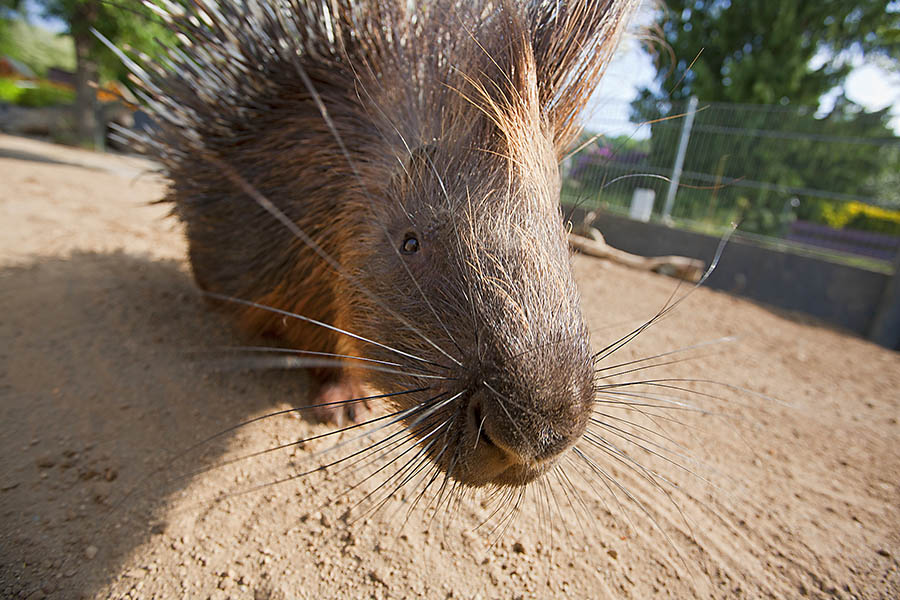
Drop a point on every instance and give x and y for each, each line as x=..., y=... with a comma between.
x=679, y=157
x=885, y=329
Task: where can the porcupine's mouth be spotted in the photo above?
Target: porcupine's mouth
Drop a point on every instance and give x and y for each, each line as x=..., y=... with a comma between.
x=487, y=462
x=482, y=446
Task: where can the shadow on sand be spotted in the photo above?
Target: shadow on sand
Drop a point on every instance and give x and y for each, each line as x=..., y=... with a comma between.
x=97, y=390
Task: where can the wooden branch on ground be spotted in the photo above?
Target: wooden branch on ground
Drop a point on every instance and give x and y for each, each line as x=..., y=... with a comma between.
x=682, y=267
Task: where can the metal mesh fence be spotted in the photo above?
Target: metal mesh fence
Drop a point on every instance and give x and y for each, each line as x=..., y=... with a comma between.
x=824, y=182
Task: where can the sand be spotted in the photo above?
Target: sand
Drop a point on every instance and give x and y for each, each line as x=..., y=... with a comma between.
x=111, y=364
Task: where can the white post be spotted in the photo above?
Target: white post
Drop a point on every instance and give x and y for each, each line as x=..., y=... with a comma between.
x=642, y=204
x=679, y=157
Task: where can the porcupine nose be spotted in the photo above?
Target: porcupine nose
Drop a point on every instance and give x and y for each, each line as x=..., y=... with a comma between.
x=526, y=429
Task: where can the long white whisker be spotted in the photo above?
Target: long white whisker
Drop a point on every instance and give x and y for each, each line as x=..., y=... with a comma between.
x=639, y=442
x=402, y=415
x=280, y=350
x=721, y=340
x=670, y=305
x=168, y=464
x=286, y=313
x=293, y=362
x=651, y=366
x=398, y=416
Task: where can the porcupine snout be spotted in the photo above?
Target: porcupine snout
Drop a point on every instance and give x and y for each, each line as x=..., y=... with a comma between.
x=525, y=411
x=528, y=373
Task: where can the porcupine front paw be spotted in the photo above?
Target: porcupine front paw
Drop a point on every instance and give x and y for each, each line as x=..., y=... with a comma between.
x=334, y=402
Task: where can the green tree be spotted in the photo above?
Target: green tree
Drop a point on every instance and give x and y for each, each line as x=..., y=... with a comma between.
x=766, y=52
x=7, y=9
x=126, y=23
x=787, y=53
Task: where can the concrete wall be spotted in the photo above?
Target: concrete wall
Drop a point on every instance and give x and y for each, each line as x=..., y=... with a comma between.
x=846, y=296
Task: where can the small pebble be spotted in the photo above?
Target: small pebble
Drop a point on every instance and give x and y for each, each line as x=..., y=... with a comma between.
x=90, y=552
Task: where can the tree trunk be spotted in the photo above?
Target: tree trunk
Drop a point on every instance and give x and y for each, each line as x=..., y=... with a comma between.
x=86, y=73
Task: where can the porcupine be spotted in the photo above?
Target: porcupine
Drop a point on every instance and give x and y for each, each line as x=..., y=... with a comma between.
x=388, y=171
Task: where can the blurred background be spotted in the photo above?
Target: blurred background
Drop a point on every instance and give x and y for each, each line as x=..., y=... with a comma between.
x=58, y=81
x=781, y=118
x=795, y=116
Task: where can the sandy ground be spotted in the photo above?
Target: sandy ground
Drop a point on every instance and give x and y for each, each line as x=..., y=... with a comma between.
x=108, y=368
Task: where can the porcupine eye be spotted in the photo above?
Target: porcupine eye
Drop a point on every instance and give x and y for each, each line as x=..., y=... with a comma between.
x=410, y=244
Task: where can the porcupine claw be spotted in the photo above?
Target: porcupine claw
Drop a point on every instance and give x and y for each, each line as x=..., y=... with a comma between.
x=332, y=402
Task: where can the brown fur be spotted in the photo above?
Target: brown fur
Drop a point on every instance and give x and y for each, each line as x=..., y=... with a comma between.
x=447, y=123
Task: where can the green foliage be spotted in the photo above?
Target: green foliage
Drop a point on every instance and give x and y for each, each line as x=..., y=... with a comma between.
x=9, y=90
x=766, y=156
x=618, y=143
x=35, y=95
x=864, y=217
x=592, y=170
x=129, y=25
x=762, y=52
x=756, y=53
x=35, y=46
x=126, y=24
x=45, y=94
x=886, y=185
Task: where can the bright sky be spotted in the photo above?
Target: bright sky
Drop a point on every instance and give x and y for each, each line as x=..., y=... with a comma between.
x=608, y=110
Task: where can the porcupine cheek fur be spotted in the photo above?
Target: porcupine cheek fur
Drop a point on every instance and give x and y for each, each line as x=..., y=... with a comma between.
x=490, y=283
